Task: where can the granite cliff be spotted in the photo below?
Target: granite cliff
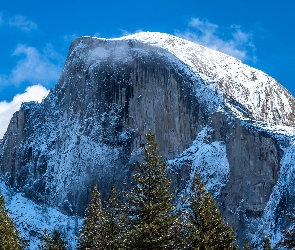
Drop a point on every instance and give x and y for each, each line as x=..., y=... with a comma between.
x=212, y=114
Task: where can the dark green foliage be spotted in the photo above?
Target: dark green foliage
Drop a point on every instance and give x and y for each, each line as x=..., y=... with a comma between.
x=206, y=229
x=149, y=220
x=104, y=226
x=116, y=222
x=266, y=243
x=247, y=245
x=9, y=236
x=46, y=240
x=91, y=234
x=53, y=242
x=150, y=202
x=178, y=231
x=288, y=240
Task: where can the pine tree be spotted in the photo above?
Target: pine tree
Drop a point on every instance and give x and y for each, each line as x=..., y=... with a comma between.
x=116, y=222
x=150, y=202
x=266, y=243
x=9, y=236
x=288, y=240
x=206, y=229
x=46, y=240
x=91, y=234
x=52, y=243
x=104, y=226
x=178, y=231
x=247, y=245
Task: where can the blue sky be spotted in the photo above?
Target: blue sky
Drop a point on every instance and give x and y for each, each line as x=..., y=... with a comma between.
x=35, y=36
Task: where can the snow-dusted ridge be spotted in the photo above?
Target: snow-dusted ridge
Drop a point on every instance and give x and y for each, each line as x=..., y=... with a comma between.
x=228, y=122
x=236, y=82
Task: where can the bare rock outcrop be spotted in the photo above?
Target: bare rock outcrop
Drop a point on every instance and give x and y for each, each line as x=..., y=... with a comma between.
x=88, y=130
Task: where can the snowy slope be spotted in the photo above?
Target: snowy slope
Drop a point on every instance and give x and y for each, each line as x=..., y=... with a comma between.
x=31, y=219
x=208, y=160
x=236, y=82
x=81, y=133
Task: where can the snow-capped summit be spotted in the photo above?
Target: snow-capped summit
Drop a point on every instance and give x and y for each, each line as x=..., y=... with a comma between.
x=248, y=92
x=211, y=114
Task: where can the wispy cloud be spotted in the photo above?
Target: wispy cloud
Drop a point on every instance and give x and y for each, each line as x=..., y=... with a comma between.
x=70, y=38
x=7, y=109
x=22, y=23
x=127, y=33
x=97, y=34
x=35, y=67
x=229, y=40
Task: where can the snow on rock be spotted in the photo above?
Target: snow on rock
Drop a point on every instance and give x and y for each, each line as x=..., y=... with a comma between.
x=260, y=96
x=208, y=160
x=282, y=199
x=31, y=219
x=212, y=114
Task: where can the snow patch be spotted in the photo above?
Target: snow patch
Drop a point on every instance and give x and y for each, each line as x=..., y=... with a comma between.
x=269, y=223
x=208, y=161
x=250, y=87
x=31, y=219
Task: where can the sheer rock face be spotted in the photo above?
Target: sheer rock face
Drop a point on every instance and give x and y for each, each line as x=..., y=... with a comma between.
x=88, y=130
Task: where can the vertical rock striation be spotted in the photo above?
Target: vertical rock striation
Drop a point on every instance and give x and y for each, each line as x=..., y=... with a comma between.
x=211, y=114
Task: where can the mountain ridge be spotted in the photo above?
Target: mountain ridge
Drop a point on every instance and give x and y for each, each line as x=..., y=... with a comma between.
x=194, y=55
x=206, y=118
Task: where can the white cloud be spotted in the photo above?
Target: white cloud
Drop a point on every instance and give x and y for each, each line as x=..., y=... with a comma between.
x=97, y=34
x=231, y=40
x=35, y=67
x=22, y=23
x=7, y=109
x=127, y=33
x=70, y=38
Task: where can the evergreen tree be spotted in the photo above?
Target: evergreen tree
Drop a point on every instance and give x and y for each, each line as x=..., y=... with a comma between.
x=266, y=243
x=247, y=245
x=91, y=234
x=178, y=231
x=116, y=222
x=150, y=202
x=52, y=243
x=104, y=226
x=9, y=236
x=206, y=229
x=46, y=240
x=288, y=240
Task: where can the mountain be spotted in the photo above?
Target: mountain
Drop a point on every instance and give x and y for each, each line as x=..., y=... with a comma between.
x=212, y=114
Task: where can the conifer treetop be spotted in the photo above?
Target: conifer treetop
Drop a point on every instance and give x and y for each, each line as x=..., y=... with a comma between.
x=9, y=236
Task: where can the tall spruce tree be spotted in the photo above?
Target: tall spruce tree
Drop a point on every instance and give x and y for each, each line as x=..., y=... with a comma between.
x=9, y=236
x=266, y=243
x=178, y=231
x=116, y=222
x=288, y=240
x=92, y=233
x=54, y=242
x=246, y=246
x=206, y=228
x=104, y=226
x=150, y=202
